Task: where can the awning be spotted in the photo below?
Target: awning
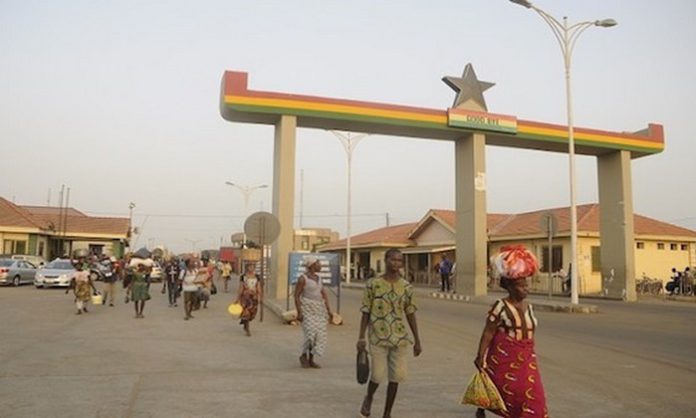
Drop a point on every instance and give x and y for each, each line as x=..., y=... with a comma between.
x=427, y=249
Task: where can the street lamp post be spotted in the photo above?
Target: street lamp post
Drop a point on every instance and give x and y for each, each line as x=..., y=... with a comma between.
x=246, y=192
x=349, y=143
x=567, y=35
x=131, y=206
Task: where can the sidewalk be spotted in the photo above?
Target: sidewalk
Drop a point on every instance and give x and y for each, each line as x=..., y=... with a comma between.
x=540, y=302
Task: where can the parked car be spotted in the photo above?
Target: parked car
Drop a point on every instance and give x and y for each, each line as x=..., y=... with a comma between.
x=33, y=259
x=16, y=272
x=57, y=273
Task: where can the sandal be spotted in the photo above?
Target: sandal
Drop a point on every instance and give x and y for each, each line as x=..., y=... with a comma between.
x=304, y=362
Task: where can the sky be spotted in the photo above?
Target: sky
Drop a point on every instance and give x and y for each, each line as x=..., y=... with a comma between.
x=119, y=101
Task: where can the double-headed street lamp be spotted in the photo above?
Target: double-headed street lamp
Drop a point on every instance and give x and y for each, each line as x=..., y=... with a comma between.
x=567, y=35
x=349, y=143
x=246, y=192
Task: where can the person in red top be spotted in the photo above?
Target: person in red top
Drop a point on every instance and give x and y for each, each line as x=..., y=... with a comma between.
x=506, y=350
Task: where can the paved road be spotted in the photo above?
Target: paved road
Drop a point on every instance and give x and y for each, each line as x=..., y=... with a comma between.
x=629, y=360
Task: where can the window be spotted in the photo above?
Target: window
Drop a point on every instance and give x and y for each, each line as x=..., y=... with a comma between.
x=640, y=245
x=596, y=259
x=685, y=247
x=11, y=246
x=557, y=253
x=673, y=247
x=41, y=249
x=660, y=245
x=305, y=243
x=379, y=266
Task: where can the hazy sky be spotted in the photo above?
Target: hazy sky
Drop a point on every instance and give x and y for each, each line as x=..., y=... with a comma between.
x=118, y=100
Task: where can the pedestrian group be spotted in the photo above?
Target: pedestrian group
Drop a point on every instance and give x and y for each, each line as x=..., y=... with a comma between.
x=388, y=329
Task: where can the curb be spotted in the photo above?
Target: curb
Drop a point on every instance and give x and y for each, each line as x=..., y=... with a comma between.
x=275, y=308
x=539, y=305
x=450, y=296
x=544, y=306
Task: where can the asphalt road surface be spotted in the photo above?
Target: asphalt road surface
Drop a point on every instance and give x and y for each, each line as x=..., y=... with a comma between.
x=629, y=360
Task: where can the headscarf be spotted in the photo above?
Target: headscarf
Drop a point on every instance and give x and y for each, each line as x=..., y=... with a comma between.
x=308, y=260
x=515, y=262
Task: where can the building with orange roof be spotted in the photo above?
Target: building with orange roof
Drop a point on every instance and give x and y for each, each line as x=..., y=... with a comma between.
x=658, y=246
x=50, y=232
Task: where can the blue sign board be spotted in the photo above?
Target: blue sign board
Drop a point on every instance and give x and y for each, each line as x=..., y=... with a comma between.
x=329, y=273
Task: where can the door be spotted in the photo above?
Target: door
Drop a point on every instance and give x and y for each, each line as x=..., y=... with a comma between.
x=27, y=272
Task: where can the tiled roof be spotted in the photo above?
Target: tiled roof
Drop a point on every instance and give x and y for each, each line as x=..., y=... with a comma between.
x=51, y=210
x=12, y=215
x=504, y=225
x=588, y=221
x=90, y=225
x=390, y=236
x=449, y=217
x=47, y=219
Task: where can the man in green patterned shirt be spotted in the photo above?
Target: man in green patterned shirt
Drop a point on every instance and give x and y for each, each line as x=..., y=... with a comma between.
x=387, y=304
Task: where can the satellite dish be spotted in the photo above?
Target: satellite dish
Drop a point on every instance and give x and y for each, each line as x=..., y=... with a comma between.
x=262, y=228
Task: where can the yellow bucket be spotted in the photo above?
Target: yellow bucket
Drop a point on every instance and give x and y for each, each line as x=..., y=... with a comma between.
x=97, y=299
x=235, y=309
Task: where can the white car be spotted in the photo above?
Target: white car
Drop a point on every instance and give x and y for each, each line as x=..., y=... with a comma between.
x=156, y=273
x=57, y=273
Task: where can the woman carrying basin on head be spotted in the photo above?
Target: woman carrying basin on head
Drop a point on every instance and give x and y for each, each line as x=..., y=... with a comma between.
x=506, y=350
x=82, y=287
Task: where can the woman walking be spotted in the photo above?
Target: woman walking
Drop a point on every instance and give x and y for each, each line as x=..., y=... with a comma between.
x=506, y=350
x=313, y=311
x=139, y=289
x=248, y=295
x=205, y=278
x=82, y=288
x=189, y=285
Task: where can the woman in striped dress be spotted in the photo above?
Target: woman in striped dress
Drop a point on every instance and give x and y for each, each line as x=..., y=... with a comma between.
x=313, y=311
x=506, y=350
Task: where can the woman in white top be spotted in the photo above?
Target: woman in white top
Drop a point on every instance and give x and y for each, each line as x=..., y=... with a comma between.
x=189, y=286
x=313, y=311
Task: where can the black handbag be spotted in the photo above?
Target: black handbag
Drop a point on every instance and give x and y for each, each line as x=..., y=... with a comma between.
x=213, y=290
x=362, y=367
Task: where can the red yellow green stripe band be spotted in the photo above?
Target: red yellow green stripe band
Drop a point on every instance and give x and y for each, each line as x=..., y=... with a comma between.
x=237, y=98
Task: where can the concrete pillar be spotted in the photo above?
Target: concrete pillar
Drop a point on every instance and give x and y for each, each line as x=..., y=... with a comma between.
x=283, y=202
x=470, y=190
x=616, y=225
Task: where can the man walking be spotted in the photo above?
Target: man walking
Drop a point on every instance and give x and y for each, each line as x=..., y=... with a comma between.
x=108, y=268
x=171, y=281
x=387, y=304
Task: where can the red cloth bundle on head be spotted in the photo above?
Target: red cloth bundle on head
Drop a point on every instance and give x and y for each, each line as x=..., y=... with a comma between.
x=515, y=262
